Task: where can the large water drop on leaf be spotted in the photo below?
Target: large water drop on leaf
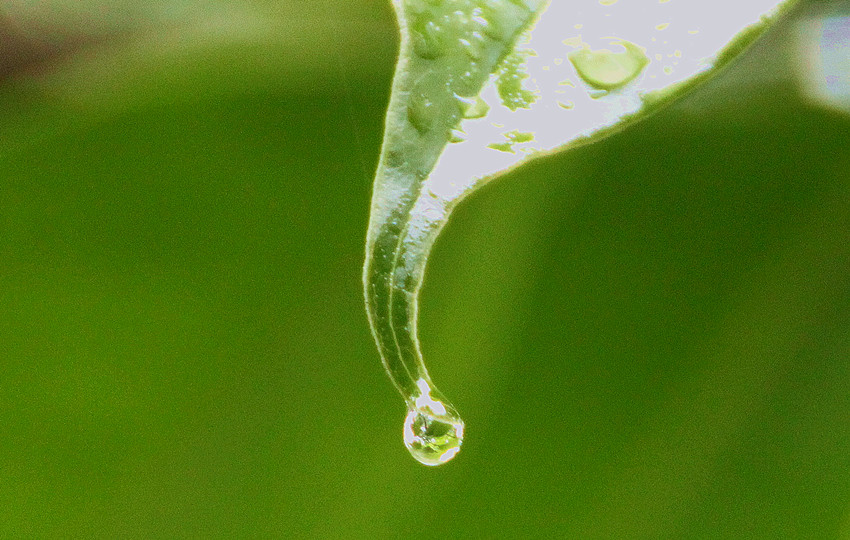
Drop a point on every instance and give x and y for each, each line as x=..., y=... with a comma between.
x=606, y=70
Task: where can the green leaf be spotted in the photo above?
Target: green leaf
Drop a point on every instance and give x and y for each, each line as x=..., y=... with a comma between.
x=481, y=86
x=448, y=51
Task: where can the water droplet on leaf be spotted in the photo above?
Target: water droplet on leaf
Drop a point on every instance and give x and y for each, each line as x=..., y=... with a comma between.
x=428, y=41
x=420, y=113
x=606, y=70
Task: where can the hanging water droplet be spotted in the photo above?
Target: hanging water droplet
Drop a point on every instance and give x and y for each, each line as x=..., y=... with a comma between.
x=433, y=431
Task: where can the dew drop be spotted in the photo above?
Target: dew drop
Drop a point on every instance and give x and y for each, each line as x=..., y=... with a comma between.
x=432, y=440
x=433, y=431
x=456, y=136
x=472, y=108
x=394, y=159
x=471, y=48
x=497, y=20
x=428, y=41
x=467, y=84
x=606, y=70
x=420, y=113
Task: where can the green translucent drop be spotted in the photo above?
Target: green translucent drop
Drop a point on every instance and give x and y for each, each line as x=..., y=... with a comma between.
x=433, y=430
x=606, y=70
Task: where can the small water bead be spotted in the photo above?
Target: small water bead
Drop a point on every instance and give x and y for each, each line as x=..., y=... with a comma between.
x=429, y=40
x=433, y=431
x=472, y=108
x=472, y=48
x=499, y=16
x=420, y=113
x=468, y=83
x=477, y=15
x=394, y=159
x=442, y=29
x=463, y=19
x=432, y=440
x=456, y=136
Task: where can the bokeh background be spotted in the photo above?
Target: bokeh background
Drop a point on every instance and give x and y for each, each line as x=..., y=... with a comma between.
x=648, y=337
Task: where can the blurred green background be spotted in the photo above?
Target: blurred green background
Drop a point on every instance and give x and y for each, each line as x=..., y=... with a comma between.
x=648, y=337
